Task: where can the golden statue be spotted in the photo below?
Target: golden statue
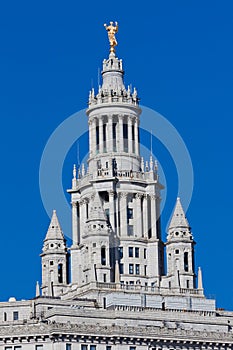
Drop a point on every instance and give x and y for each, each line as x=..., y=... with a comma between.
x=112, y=30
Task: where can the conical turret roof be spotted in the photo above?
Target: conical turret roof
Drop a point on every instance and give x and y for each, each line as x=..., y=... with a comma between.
x=178, y=217
x=54, y=230
x=96, y=211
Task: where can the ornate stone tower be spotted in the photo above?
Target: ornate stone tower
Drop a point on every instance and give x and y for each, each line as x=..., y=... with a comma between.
x=180, y=251
x=54, y=260
x=127, y=191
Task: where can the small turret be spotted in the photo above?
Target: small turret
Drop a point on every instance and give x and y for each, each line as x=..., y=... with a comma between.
x=180, y=250
x=54, y=260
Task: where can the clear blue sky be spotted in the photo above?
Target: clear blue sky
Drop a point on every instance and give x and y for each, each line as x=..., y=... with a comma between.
x=178, y=54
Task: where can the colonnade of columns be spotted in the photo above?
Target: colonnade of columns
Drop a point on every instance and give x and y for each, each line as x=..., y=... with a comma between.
x=118, y=133
x=145, y=215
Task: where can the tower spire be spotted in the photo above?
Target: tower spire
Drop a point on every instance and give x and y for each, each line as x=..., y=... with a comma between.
x=178, y=217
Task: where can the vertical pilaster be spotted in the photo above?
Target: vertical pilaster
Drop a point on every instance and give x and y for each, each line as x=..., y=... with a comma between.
x=123, y=214
x=153, y=216
x=136, y=136
x=121, y=139
x=112, y=209
x=101, y=137
x=110, y=133
x=130, y=137
x=93, y=137
x=75, y=224
x=138, y=221
x=145, y=215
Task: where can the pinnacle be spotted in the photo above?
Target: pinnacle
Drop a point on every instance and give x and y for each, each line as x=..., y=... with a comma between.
x=178, y=217
x=96, y=211
x=54, y=230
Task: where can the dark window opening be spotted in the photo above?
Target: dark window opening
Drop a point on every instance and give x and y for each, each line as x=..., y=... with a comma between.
x=137, y=269
x=129, y=214
x=121, y=268
x=5, y=316
x=104, y=303
x=97, y=137
x=186, y=266
x=144, y=253
x=177, y=251
x=15, y=315
x=120, y=252
x=105, y=277
x=60, y=273
x=103, y=256
x=149, y=233
x=125, y=137
x=187, y=284
x=136, y=252
x=131, y=252
x=107, y=215
x=131, y=269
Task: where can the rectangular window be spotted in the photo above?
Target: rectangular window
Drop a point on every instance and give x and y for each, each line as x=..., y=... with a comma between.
x=17, y=347
x=83, y=347
x=131, y=269
x=132, y=348
x=108, y=347
x=120, y=250
x=4, y=316
x=136, y=252
x=8, y=348
x=92, y=347
x=130, y=252
x=145, y=270
x=137, y=269
x=68, y=346
x=39, y=347
x=144, y=253
x=186, y=265
x=121, y=268
x=104, y=277
x=15, y=315
x=129, y=214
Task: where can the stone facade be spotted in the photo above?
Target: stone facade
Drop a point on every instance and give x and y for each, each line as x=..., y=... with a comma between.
x=120, y=296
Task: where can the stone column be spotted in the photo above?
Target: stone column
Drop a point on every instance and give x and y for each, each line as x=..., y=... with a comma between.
x=130, y=137
x=123, y=214
x=75, y=224
x=145, y=215
x=90, y=138
x=110, y=134
x=138, y=218
x=101, y=135
x=121, y=140
x=93, y=137
x=153, y=216
x=112, y=209
x=82, y=206
x=136, y=137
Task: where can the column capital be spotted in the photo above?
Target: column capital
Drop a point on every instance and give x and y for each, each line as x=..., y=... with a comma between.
x=123, y=195
x=152, y=196
x=74, y=204
x=138, y=196
x=111, y=193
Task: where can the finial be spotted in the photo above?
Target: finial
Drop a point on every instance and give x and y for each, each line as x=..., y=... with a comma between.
x=74, y=172
x=112, y=30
